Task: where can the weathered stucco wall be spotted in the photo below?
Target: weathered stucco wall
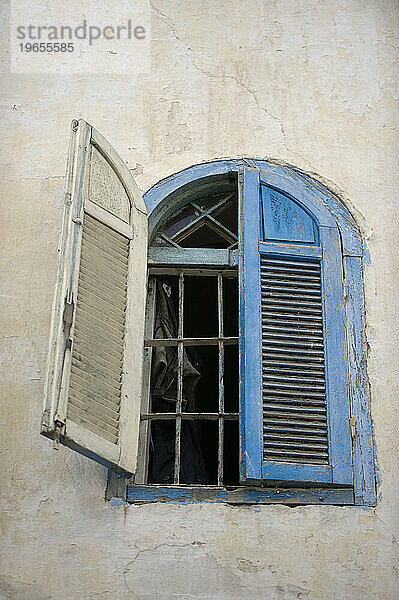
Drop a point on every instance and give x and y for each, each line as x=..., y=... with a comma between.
x=311, y=83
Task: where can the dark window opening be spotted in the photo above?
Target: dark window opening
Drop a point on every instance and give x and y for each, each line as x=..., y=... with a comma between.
x=193, y=433
x=200, y=307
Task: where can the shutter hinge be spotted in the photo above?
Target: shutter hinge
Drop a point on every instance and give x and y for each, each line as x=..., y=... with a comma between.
x=67, y=316
x=353, y=428
x=59, y=429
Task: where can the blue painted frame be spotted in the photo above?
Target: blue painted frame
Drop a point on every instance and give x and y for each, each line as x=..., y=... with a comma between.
x=240, y=495
x=250, y=339
x=331, y=213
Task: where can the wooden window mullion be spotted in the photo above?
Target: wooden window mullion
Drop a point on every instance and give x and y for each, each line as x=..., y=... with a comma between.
x=179, y=402
x=221, y=380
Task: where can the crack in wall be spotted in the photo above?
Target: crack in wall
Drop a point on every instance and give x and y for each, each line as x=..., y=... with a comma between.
x=153, y=549
x=386, y=528
x=168, y=22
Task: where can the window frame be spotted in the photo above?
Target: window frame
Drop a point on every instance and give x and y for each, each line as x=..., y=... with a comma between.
x=316, y=198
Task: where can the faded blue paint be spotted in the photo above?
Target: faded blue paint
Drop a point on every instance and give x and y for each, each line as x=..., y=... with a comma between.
x=351, y=238
x=242, y=495
x=288, y=248
x=193, y=256
x=364, y=446
x=283, y=179
x=336, y=357
x=284, y=220
x=116, y=502
x=251, y=424
x=339, y=441
x=297, y=472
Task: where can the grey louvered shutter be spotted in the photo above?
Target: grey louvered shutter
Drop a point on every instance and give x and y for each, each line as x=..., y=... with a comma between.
x=293, y=359
x=93, y=385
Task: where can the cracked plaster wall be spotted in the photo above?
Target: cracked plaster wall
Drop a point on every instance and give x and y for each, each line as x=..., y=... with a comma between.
x=308, y=82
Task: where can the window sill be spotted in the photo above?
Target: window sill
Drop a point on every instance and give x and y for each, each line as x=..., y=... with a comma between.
x=241, y=495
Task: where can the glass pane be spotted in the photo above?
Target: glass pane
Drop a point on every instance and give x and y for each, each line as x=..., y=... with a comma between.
x=231, y=453
x=206, y=202
x=231, y=378
x=164, y=358
x=211, y=199
x=201, y=381
x=199, y=452
x=179, y=220
x=161, y=243
x=200, y=307
x=230, y=307
x=162, y=452
x=204, y=237
x=228, y=216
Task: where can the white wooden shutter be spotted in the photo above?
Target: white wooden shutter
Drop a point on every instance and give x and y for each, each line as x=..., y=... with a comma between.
x=93, y=383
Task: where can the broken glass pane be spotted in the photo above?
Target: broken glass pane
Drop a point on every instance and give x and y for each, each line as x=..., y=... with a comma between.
x=204, y=237
x=228, y=216
x=180, y=220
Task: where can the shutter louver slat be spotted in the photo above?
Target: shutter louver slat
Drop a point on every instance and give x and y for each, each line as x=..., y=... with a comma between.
x=106, y=404
x=82, y=386
x=95, y=300
x=92, y=307
x=89, y=267
x=96, y=246
x=291, y=305
x=102, y=357
x=92, y=367
x=95, y=427
x=91, y=325
x=97, y=411
x=102, y=286
x=95, y=319
x=97, y=353
x=294, y=392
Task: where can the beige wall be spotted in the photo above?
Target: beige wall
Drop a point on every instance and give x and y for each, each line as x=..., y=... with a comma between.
x=308, y=82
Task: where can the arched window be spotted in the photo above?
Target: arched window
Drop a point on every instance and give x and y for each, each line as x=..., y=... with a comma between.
x=190, y=413
x=252, y=384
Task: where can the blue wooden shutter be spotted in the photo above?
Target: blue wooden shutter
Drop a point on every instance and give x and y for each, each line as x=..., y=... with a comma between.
x=294, y=395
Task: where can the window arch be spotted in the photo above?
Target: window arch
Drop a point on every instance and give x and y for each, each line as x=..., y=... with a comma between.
x=205, y=216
